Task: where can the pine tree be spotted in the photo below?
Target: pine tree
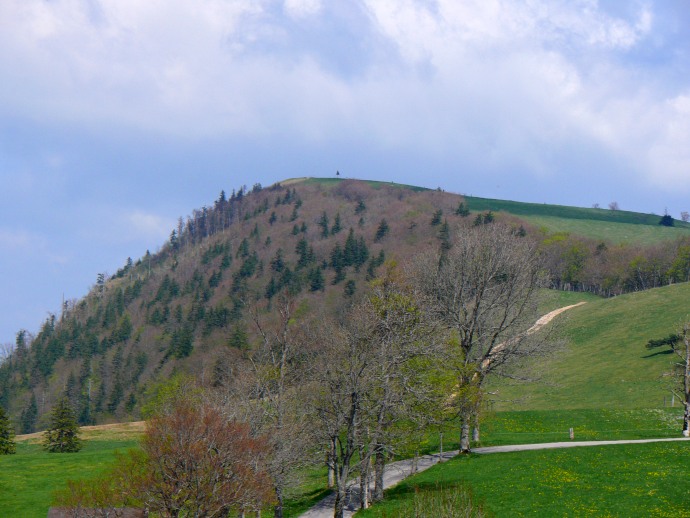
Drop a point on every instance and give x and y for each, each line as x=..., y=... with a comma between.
x=63, y=434
x=436, y=218
x=238, y=337
x=7, y=444
x=381, y=231
x=316, y=280
x=29, y=416
x=444, y=236
x=462, y=210
x=337, y=227
x=323, y=223
x=350, y=251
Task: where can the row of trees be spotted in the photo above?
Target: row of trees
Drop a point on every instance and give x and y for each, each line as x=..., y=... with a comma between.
x=350, y=389
x=580, y=264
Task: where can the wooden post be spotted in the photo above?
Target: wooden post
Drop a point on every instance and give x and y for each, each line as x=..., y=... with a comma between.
x=440, y=455
x=572, y=434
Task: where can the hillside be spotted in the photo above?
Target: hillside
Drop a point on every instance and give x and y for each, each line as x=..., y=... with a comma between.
x=616, y=226
x=186, y=307
x=605, y=364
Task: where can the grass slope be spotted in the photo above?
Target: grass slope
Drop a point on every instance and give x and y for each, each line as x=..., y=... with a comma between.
x=605, y=365
x=618, y=226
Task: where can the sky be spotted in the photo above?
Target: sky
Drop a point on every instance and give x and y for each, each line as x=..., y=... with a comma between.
x=119, y=116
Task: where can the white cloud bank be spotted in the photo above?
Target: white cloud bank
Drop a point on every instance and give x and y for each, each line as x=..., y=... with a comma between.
x=506, y=82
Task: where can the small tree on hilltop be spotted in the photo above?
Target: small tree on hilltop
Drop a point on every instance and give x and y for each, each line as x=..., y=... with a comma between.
x=666, y=220
x=63, y=434
x=7, y=445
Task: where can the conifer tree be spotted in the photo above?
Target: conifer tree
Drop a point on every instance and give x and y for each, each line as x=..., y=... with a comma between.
x=29, y=416
x=316, y=280
x=238, y=337
x=462, y=210
x=323, y=223
x=63, y=434
x=381, y=231
x=337, y=227
x=7, y=444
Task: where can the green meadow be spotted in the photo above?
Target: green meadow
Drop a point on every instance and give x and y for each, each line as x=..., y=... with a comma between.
x=604, y=363
x=29, y=478
x=619, y=480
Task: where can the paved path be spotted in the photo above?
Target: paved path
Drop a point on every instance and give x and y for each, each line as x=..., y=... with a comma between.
x=393, y=473
x=569, y=444
x=397, y=471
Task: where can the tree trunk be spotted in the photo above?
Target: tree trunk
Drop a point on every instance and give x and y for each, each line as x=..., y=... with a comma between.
x=331, y=459
x=686, y=385
x=365, y=463
x=465, y=435
x=379, y=465
x=364, y=489
x=475, y=429
x=278, y=508
x=339, y=510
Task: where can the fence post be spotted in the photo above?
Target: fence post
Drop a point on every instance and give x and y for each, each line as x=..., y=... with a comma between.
x=572, y=434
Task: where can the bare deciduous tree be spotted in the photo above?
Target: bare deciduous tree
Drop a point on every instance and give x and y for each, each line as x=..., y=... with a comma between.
x=685, y=216
x=271, y=394
x=614, y=205
x=484, y=292
x=369, y=374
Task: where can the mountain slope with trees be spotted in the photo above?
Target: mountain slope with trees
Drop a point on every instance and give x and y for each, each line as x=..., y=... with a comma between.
x=188, y=307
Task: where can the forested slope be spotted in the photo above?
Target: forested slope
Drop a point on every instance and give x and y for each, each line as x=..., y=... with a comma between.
x=186, y=307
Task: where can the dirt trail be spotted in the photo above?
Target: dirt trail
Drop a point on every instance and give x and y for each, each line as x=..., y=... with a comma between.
x=550, y=316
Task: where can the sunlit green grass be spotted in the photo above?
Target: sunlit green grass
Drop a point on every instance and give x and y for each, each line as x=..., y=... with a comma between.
x=29, y=478
x=605, y=363
x=537, y=426
x=621, y=480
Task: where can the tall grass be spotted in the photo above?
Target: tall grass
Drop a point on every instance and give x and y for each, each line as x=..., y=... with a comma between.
x=453, y=501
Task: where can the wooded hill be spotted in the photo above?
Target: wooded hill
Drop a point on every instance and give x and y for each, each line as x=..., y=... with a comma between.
x=187, y=307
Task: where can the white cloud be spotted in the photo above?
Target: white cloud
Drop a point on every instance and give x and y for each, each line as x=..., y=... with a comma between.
x=503, y=79
x=302, y=8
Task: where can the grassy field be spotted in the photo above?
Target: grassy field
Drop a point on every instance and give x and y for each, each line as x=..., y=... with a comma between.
x=29, y=478
x=621, y=480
